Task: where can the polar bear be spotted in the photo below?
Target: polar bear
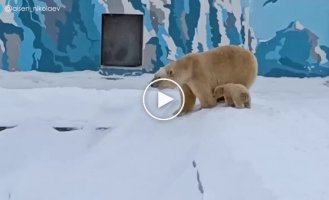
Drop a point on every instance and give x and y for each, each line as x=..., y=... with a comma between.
x=235, y=95
x=199, y=73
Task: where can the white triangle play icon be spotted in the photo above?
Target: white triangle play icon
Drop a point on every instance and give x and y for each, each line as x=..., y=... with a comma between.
x=163, y=99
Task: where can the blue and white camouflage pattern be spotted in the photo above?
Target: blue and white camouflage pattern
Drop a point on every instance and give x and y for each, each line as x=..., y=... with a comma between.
x=58, y=35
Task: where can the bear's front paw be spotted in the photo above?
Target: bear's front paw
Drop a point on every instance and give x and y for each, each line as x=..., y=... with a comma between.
x=208, y=105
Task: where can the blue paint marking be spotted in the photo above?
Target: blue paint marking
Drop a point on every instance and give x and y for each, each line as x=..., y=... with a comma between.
x=242, y=32
x=192, y=19
x=29, y=19
x=147, y=21
x=209, y=34
x=175, y=29
x=200, y=47
x=6, y=28
x=5, y=61
x=290, y=53
x=159, y=52
x=137, y=4
x=231, y=30
x=214, y=25
x=164, y=50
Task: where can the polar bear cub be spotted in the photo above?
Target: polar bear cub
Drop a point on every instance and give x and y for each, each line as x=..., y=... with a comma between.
x=235, y=95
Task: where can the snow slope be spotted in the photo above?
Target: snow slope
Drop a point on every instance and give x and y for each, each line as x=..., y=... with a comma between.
x=279, y=149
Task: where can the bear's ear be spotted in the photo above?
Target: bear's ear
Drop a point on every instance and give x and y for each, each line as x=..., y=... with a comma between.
x=170, y=73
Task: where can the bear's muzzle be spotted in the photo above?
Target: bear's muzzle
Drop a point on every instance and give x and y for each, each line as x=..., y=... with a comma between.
x=155, y=84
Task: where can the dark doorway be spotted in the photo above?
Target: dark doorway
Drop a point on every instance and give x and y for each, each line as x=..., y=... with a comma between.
x=122, y=40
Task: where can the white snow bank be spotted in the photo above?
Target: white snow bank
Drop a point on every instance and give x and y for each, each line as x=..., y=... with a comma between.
x=279, y=149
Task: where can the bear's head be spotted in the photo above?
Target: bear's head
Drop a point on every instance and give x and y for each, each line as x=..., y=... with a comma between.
x=219, y=92
x=162, y=73
x=178, y=71
x=244, y=96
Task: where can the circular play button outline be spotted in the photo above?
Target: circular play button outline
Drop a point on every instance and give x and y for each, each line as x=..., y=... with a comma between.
x=182, y=95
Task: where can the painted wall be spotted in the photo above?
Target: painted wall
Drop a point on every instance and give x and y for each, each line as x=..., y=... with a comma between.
x=64, y=35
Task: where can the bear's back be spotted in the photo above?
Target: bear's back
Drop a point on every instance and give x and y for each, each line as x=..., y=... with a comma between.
x=230, y=64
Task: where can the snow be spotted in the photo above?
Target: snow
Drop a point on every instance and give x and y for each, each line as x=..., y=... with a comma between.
x=83, y=79
x=278, y=149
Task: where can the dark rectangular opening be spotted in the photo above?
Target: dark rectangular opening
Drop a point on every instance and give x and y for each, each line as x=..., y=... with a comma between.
x=122, y=40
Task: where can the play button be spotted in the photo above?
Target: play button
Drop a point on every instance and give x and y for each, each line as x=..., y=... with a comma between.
x=163, y=99
x=165, y=104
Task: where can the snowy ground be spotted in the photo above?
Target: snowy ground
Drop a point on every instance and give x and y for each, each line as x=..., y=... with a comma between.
x=279, y=149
